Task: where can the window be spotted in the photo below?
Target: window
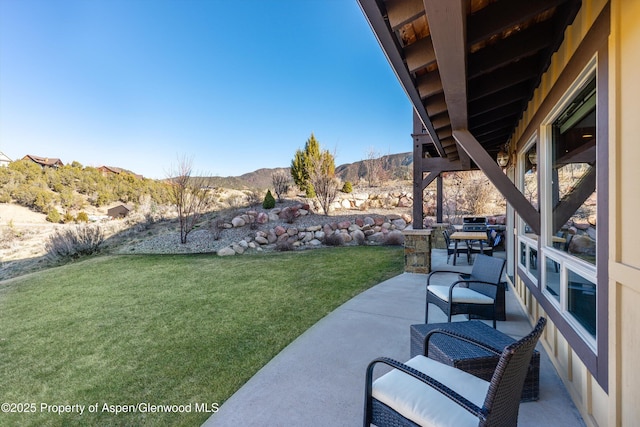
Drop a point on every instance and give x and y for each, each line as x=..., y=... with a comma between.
x=528, y=182
x=573, y=189
x=568, y=207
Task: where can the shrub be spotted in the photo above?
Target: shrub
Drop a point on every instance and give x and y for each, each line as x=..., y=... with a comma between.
x=67, y=218
x=269, y=202
x=82, y=217
x=74, y=242
x=290, y=214
x=54, y=216
x=253, y=198
x=347, y=187
x=215, y=228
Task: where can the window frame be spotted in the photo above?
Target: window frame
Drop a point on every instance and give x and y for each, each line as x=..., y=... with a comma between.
x=546, y=250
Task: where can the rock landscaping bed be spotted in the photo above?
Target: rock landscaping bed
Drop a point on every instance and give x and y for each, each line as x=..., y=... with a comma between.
x=288, y=228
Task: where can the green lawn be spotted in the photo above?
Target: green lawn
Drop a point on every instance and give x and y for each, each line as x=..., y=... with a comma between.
x=157, y=330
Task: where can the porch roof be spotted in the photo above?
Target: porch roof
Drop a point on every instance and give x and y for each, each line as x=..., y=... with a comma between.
x=469, y=65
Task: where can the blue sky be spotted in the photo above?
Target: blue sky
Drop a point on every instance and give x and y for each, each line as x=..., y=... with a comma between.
x=236, y=85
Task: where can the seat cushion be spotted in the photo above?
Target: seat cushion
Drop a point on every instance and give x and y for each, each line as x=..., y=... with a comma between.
x=460, y=295
x=425, y=405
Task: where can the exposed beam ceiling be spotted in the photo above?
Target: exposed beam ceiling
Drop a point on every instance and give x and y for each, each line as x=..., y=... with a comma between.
x=469, y=64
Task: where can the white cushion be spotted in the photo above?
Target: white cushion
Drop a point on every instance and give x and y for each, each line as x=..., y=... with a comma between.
x=423, y=404
x=460, y=295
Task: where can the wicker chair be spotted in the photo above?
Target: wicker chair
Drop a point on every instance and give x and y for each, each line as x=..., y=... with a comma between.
x=473, y=294
x=423, y=392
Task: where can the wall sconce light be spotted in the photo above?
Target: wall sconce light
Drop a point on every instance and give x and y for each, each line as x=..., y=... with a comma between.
x=503, y=158
x=533, y=157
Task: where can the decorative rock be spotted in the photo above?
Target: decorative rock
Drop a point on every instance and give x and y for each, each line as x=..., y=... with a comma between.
x=358, y=236
x=303, y=212
x=314, y=228
x=345, y=204
x=279, y=230
x=369, y=221
x=226, y=251
x=377, y=237
x=399, y=223
x=343, y=225
x=319, y=235
x=273, y=216
x=237, y=248
x=395, y=236
x=315, y=242
x=243, y=244
x=353, y=227
x=379, y=220
x=360, y=222
x=238, y=222
x=292, y=231
x=261, y=240
x=262, y=218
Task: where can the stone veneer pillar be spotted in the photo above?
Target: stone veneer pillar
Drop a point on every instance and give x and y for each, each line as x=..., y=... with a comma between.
x=417, y=250
x=437, y=238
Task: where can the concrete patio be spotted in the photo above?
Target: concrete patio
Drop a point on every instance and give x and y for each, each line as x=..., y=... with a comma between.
x=318, y=380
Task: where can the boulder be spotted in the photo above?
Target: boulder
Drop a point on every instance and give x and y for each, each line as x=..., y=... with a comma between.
x=238, y=222
x=262, y=218
x=399, y=223
x=226, y=251
x=262, y=240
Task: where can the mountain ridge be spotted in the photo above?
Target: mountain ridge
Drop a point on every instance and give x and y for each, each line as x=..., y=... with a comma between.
x=397, y=166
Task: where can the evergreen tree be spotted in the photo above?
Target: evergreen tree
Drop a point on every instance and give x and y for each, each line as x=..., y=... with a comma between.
x=302, y=164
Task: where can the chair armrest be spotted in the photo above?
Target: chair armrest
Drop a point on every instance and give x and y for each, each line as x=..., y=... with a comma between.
x=433, y=273
x=462, y=337
x=459, y=399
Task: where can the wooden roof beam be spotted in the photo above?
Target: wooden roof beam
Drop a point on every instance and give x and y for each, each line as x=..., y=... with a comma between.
x=419, y=54
x=502, y=15
x=509, y=110
x=429, y=84
x=447, y=23
x=389, y=46
x=491, y=169
x=401, y=12
x=521, y=45
x=510, y=75
x=490, y=103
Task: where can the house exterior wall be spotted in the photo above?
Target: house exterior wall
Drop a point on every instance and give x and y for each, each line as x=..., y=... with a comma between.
x=624, y=251
x=614, y=402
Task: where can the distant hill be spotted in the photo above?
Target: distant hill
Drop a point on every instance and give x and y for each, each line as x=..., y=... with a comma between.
x=399, y=166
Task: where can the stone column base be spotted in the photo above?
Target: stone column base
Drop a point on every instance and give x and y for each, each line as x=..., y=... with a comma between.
x=417, y=250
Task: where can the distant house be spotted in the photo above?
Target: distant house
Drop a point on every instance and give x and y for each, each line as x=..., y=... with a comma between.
x=119, y=211
x=49, y=162
x=4, y=159
x=106, y=170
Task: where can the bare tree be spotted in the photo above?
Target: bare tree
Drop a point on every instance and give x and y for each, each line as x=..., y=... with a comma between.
x=281, y=184
x=190, y=195
x=375, y=167
x=323, y=178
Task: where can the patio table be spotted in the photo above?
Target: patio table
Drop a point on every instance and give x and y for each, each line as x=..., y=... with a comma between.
x=468, y=236
x=468, y=357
